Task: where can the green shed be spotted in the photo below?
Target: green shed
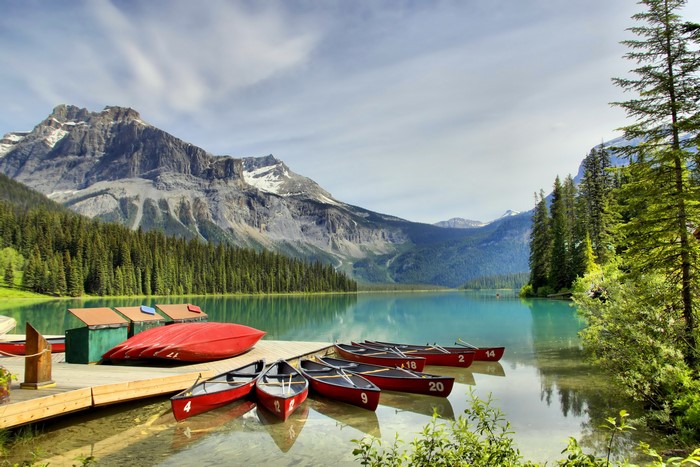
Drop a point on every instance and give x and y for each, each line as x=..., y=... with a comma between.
x=140, y=318
x=103, y=329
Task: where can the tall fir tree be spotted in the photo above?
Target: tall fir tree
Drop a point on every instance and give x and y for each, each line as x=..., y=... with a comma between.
x=540, y=244
x=559, y=259
x=663, y=199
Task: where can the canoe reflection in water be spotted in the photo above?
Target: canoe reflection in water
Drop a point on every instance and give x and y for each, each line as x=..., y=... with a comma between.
x=488, y=368
x=416, y=403
x=364, y=421
x=284, y=433
x=194, y=428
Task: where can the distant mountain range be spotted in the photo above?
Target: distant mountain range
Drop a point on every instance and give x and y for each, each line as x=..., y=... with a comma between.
x=114, y=166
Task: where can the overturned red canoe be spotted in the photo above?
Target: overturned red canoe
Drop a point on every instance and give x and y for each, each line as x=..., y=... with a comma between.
x=188, y=342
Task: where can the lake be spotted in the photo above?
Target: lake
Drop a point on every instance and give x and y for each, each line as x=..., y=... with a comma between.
x=542, y=385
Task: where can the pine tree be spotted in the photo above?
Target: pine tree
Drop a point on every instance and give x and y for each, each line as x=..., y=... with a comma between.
x=559, y=259
x=596, y=190
x=540, y=244
x=9, y=275
x=664, y=201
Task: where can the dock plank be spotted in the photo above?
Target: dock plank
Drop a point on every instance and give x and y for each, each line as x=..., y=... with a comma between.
x=80, y=387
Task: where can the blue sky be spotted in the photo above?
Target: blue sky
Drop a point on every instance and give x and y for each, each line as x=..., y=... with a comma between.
x=425, y=110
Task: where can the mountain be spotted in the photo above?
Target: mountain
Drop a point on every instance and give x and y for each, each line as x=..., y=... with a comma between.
x=460, y=223
x=115, y=166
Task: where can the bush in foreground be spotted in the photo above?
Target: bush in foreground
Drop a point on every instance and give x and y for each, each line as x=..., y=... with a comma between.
x=482, y=437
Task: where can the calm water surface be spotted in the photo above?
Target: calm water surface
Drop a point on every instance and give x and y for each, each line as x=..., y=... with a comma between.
x=542, y=384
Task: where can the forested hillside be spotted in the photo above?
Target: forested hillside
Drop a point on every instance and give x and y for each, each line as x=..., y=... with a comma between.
x=57, y=252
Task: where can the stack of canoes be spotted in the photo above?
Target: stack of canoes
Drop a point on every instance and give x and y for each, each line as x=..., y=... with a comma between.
x=187, y=342
x=281, y=388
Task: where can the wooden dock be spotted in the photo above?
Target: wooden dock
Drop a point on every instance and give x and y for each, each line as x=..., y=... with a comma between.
x=80, y=387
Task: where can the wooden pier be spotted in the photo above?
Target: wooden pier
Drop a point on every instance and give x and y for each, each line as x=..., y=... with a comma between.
x=82, y=386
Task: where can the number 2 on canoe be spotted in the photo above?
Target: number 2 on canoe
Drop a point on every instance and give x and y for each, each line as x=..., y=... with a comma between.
x=277, y=406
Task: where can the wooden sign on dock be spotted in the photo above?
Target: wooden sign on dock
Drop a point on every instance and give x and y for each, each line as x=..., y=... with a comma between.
x=37, y=361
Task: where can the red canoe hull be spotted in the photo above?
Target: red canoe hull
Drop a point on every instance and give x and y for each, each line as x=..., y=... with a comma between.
x=397, y=379
x=281, y=389
x=19, y=347
x=462, y=358
x=360, y=354
x=482, y=354
x=188, y=342
x=217, y=391
x=350, y=388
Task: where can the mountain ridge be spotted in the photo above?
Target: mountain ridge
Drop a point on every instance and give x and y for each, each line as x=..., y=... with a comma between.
x=115, y=166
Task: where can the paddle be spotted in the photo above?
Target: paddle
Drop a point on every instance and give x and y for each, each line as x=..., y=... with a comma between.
x=280, y=383
x=465, y=344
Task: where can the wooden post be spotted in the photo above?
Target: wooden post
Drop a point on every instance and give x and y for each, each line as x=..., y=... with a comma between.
x=37, y=363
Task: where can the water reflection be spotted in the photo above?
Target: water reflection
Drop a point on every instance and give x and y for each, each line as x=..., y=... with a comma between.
x=543, y=385
x=418, y=404
x=194, y=428
x=284, y=433
x=346, y=415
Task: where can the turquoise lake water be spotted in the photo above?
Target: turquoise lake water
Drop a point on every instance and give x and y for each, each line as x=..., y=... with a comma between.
x=542, y=385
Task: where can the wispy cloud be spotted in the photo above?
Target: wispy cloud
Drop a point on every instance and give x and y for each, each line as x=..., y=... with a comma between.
x=426, y=110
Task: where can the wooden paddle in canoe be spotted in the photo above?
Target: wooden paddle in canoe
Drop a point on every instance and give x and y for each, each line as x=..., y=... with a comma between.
x=336, y=383
x=217, y=391
x=484, y=354
x=379, y=357
x=281, y=389
x=396, y=379
x=433, y=355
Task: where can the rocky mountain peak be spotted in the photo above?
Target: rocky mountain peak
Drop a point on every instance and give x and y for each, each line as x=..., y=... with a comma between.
x=113, y=166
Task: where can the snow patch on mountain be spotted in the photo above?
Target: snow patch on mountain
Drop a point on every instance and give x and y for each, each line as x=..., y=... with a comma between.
x=8, y=142
x=54, y=136
x=267, y=179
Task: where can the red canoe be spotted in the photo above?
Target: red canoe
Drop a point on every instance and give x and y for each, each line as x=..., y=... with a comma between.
x=379, y=357
x=433, y=355
x=188, y=342
x=18, y=346
x=483, y=354
x=397, y=379
x=217, y=391
x=336, y=384
x=281, y=389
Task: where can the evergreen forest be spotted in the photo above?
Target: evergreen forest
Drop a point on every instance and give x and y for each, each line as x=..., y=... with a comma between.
x=48, y=249
x=625, y=241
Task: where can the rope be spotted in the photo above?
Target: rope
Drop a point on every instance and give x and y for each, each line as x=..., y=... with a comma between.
x=8, y=354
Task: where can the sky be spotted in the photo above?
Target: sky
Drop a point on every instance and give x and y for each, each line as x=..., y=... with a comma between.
x=426, y=110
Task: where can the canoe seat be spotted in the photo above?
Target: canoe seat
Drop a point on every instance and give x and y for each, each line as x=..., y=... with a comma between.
x=241, y=374
x=279, y=376
x=323, y=370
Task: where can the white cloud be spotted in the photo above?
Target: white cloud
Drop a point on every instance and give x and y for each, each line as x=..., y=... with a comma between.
x=425, y=110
